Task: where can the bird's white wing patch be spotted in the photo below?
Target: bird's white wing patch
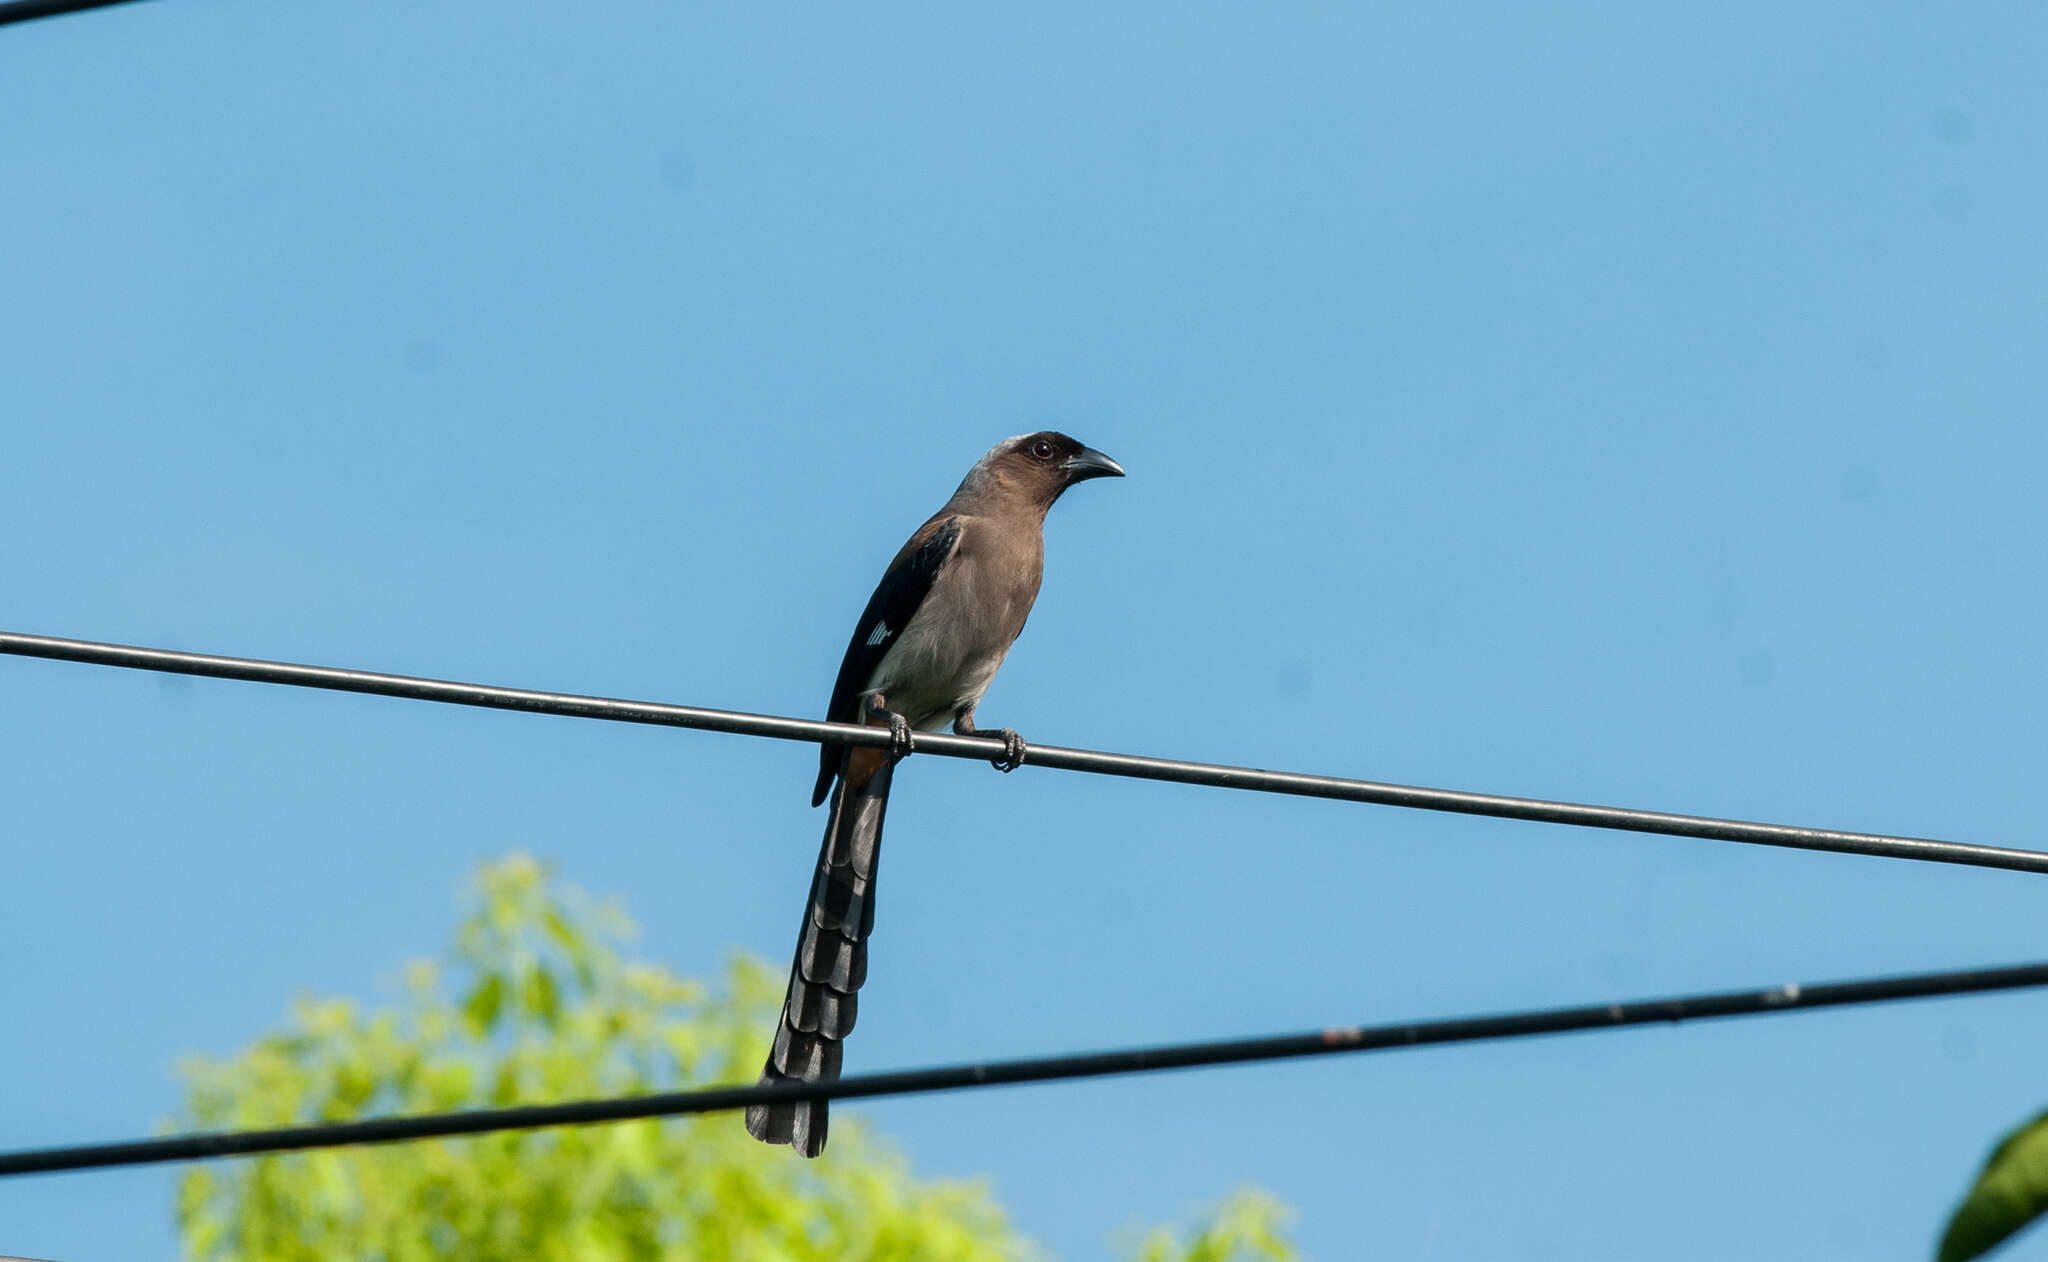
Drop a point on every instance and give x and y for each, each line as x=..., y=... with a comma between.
x=879, y=634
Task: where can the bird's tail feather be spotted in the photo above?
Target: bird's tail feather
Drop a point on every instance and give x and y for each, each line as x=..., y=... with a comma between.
x=831, y=954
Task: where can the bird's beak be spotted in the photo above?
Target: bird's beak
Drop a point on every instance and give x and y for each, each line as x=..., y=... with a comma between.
x=1090, y=463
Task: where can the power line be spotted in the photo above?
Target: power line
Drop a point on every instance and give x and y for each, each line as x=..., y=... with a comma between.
x=29, y=10
x=1342, y=1039
x=987, y=748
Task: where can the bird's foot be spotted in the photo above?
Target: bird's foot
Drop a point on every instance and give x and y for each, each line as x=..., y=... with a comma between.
x=1013, y=750
x=1013, y=744
x=902, y=743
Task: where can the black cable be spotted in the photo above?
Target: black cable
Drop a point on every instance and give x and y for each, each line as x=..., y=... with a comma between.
x=197, y=1147
x=29, y=10
x=987, y=748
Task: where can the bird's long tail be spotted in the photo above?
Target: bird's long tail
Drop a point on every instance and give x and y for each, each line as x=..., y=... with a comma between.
x=831, y=953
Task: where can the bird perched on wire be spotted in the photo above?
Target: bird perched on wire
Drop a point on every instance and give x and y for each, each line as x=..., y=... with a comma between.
x=922, y=654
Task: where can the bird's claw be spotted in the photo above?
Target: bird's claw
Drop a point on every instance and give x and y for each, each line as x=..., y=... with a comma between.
x=1013, y=750
x=901, y=743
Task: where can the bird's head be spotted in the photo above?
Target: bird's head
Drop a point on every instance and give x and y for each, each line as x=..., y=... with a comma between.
x=1039, y=467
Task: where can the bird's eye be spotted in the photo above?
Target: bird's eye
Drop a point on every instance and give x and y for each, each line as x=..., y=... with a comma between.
x=1042, y=449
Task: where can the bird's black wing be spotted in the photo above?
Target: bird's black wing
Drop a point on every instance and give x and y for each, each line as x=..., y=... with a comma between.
x=902, y=589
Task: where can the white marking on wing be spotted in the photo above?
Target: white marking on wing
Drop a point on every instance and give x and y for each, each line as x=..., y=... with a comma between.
x=879, y=634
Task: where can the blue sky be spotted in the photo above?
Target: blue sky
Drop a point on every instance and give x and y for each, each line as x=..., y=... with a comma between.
x=1611, y=402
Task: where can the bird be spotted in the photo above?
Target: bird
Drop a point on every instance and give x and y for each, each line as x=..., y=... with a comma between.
x=922, y=654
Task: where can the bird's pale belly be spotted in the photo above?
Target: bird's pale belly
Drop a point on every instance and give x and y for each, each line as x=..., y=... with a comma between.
x=929, y=678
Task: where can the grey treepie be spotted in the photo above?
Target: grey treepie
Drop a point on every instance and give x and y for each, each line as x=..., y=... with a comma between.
x=924, y=651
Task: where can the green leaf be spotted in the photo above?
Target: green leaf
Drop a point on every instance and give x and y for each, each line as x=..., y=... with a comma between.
x=2011, y=1192
x=482, y=1007
x=542, y=998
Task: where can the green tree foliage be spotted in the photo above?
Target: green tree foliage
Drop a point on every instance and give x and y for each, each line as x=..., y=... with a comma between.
x=542, y=1003
x=2011, y=1192
x=1246, y=1226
